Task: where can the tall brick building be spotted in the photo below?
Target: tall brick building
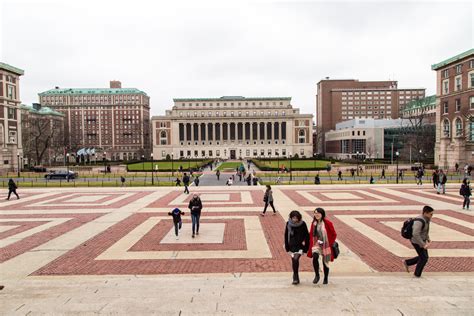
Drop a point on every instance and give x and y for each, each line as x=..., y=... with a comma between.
x=10, y=118
x=341, y=100
x=455, y=111
x=113, y=120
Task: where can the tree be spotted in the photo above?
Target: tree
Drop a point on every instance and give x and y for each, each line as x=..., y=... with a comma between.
x=38, y=136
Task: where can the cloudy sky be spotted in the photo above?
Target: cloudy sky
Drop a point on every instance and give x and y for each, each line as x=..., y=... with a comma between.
x=209, y=49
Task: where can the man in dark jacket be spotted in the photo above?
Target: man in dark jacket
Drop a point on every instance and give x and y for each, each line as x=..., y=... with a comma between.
x=195, y=206
x=176, y=213
x=420, y=241
x=12, y=189
x=186, y=183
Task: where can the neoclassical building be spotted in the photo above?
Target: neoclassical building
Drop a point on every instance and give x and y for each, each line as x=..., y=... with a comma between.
x=232, y=127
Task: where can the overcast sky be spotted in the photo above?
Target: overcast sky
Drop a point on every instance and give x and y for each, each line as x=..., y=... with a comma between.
x=208, y=49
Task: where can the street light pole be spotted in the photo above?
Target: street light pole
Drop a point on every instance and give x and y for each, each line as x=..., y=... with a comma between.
x=291, y=170
x=105, y=163
x=396, y=156
x=357, y=161
x=172, y=165
x=67, y=163
x=18, y=161
x=143, y=163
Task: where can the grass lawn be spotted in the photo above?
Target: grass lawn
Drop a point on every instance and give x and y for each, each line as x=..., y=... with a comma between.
x=295, y=164
x=226, y=166
x=166, y=165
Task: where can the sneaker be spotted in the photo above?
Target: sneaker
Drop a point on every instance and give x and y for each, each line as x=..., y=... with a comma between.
x=262, y=214
x=406, y=266
x=192, y=236
x=177, y=237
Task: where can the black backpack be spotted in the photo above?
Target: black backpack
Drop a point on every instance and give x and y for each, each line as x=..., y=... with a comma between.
x=407, y=228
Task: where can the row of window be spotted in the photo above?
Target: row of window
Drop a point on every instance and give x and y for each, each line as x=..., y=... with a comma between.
x=230, y=103
x=231, y=113
x=457, y=105
x=458, y=83
x=458, y=128
x=383, y=92
x=255, y=153
x=389, y=103
x=457, y=69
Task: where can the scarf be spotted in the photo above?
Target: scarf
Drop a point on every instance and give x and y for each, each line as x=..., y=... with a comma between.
x=291, y=227
x=326, y=247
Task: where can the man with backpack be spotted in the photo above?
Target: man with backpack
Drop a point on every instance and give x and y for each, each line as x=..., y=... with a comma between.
x=186, y=183
x=442, y=179
x=417, y=230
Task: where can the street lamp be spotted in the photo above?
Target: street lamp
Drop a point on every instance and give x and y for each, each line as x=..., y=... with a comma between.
x=189, y=163
x=419, y=156
x=291, y=169
x=172, y=166
x=67, y=162
x=396, y=157
x=18, y=159
x=152, y=169
x=357, y=161
x=105, y=162
x=143, y=163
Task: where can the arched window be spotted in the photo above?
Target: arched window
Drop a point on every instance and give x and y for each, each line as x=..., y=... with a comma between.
x=301, y=136
x=458, y=126
x=446, y=128
x=163, y=138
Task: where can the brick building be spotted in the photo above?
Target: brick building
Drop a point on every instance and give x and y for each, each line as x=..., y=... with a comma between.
x=423, y=109
x=10, y=118
x=113, y=120
x=455, y=111
x=232, y=127
x=341, y=100
x=42, y=134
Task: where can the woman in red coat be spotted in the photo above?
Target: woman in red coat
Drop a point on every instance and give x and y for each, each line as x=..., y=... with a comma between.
x=322, y=237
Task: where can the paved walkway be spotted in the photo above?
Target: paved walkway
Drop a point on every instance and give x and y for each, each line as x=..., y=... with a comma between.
x=113, y=250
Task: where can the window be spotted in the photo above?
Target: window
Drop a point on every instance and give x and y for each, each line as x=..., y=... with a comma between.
x=301, y=136
x=471, y=102
x=471, y=130
x=457, y=83
x=446, y=73
x=458, y=125
x=471, y=63
x=445, y=107
x=163, y=138
x=470, y=82
x=446, y=86
x=446, y=128
x=458, y=105
x=459, y=69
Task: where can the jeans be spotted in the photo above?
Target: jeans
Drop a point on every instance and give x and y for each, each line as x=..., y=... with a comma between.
x=195, y=220
x=441, y=186
x=467, y=201
x=186, y=190
x=10, y=193
x=420, y=260
x=177, y=227
x=266, y=205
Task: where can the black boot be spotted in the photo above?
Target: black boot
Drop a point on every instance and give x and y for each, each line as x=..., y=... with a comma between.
x=326, y=274
x=316, y=267
x=296, y=265
x=296, y=279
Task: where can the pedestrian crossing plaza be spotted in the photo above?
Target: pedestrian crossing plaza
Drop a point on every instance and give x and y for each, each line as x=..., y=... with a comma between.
x=123, y=231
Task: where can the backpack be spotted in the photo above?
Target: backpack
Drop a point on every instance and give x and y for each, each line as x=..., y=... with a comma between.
x=407, y=228
x=461, y=190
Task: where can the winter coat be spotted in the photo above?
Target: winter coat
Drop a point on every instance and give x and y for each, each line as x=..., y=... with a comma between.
x=195, y=206
x=298, y=239
x=176, y=213
x=465, y=190
x=332, y=235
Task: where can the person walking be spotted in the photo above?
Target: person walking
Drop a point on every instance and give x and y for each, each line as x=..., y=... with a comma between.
x=122, y=180
x=196, y=181
x=296, y=241
x=230, y=181
x=317, y=180
x=466, y=192
x=420, y=240
x=371, y=181
x=339, y=175
x=186, y=183
x=383, y=174
x=12, y=189
x=442, y=182
x=178, y=182
x=435, y=178
x=195, y=205
x=218, y=174
x=249, y=179
x=176, y=213
x=268, y=199
x=322, y=237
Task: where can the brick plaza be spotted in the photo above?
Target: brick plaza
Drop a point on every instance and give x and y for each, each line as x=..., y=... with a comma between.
x=56, y=236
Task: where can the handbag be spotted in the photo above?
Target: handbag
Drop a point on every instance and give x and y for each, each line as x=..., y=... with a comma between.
x=335, y=249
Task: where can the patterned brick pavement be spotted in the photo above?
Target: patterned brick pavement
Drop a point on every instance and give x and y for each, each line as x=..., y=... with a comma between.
x=135, y=240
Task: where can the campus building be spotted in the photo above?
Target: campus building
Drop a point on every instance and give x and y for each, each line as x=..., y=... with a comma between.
x=232, y=127
x=113, y=121
x=423, y=110
x=346, y=99
x=455, y=111
x=10, y=119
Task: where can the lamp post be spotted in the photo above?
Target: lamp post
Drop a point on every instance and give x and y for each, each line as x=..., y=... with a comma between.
x=152, y=169
x=396, y=157
x=67, y=163
x=419, y=156
x=189, y=163
x=291, y=169
x=18, y=160
x=143, y=163
x=357, y=161
x=278, y=162
x=314, y=161
x=172, y=165
x=105, y=162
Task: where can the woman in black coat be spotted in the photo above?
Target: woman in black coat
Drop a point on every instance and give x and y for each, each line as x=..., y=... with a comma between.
x=296, y=241
x=195, y=206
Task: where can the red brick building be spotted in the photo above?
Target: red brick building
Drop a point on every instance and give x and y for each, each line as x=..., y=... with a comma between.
x=342, y=100
x=455, y=111
x=113, y=120
x=10, y=118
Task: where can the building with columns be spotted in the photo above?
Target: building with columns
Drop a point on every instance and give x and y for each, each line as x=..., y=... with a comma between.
x=232, y=127
x=10, y=118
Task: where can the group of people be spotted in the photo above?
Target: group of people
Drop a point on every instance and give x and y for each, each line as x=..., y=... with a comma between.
x=195, y=207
